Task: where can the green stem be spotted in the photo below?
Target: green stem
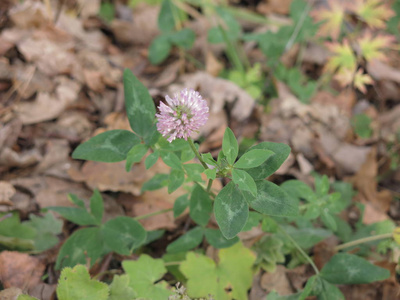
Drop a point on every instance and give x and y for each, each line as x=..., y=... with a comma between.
x=197, y=153
x=306, y=256
x=209, y=185
x=363, y=240
x=153, y=214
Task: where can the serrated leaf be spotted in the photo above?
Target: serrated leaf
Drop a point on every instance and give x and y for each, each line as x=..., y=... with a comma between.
x=47, y=228
x=109, y=146
x=180, y=204
x=253, y=158
x=123, y=234
x=120, y=289
x=298, y=190
x=343, y=57
x=344, y=268
x=175, y=180
x=135, y=155
x=157, y=182
x=272, y=200
x=216, y=239
x=139, y=105
x=230, y=146
x=143, y=274
x=373, y=12
x=83, y=244
x=244, y=181
x=231, y=210
x=200, y=206
x=76, y=215
x=76, y=284
x=230, y=279
x=186, y=242
x=331, y=18
x=97, y=206
x=273, y=163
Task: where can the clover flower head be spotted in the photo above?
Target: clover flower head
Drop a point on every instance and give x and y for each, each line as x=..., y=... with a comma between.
x=185, y=113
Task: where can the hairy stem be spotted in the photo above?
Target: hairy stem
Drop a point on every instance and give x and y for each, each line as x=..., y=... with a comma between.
x=306, y=256
x=363, y=240
x=197, y=153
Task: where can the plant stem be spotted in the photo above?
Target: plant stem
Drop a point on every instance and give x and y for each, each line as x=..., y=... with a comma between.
x=363, y=240
x=197, y=153
x=209, y=185
x=153, y=214
x=306, y=256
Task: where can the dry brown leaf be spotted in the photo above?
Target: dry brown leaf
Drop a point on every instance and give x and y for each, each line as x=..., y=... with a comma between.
x=56, y=159
x=381, y=71
x=11, y=158
x=213, y=66
x=48, y=106
x=29, y=14
x=274, y=6
x=256, y=291
x=89, y=8
x=11, y=293
x=6, y=192
x=20, y=270
x=277, y=281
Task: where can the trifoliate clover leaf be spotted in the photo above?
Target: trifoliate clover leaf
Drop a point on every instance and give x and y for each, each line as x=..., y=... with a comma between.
x=229, y=279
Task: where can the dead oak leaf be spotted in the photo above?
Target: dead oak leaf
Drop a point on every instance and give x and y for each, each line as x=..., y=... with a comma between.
x=20, y=270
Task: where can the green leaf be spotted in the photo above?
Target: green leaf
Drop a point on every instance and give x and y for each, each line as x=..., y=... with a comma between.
x=75, y=200
x=10, y=226
x=76, y=215
x=175, y=180
x=135, y=155
x=159, y=49
x=252, y=221
x=22, y=297
x=230, y=279
x=328, y=220
x=107, y=11
x=82, y=244
x=143, y=274
x=231, y=210
x=76, y=284
x=307, y=237
x=244, y=181
x=273, y=163
x=171, y=159
x=253, y=158
x=298, y=190
x=211, y=173
x=109, y=146
x=188, y=241
x=47, y=228
x=151, y=159
x=180, y=204
x=183, y=38
x=166, y=20
x=208, y=159
x=321, y=185
x=217, y=239
x=120, y=289
x=157, y=182
x=139, y=105
x=230, y=146
x=123, y=234
x=97, y=206
x=362, y=125
x=194, y=171
x=329, y=291
x=345, y=268
x=272, y=200
x=153, y=235
x=200, y=206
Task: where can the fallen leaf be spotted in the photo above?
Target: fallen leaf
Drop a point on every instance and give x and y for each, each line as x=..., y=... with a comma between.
x=29, y=14
x=11, y=293
x=20, y=270
x=277, y=281
x=6, y=192
x=274, y=6
x=10, y=158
